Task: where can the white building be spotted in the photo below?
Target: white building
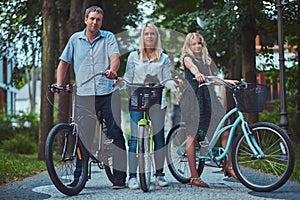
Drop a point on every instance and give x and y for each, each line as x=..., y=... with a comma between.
x=7, y=91
x=23, y=100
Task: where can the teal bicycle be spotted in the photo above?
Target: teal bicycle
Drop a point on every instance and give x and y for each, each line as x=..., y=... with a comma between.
x=262, y=153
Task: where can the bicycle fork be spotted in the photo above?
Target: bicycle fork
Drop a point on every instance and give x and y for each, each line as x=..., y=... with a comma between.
x=251, y=141
x=144, y=135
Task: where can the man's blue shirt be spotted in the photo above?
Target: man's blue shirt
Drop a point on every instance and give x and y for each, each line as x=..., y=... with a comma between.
x=89, y=59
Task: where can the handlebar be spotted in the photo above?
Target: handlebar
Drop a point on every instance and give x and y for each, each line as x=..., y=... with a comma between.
x=98, y=74
x=148, y=84
x=209, y=80
x=70, y=87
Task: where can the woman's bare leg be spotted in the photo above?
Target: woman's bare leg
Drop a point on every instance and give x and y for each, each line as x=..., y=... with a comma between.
x=228, y=171
x=190, y=150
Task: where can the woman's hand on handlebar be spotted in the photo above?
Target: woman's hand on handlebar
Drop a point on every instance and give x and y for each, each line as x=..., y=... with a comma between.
x=178, y=82
x=200, y=77
x=232, y=82
x=118, y=82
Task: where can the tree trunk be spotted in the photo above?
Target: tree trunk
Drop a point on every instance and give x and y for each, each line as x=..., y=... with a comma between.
x=48, y=66
x=248, y=28
x=66, y=29
x=298, y=86
x=234, y=71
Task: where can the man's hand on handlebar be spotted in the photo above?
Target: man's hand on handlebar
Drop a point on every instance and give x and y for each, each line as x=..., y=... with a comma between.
x=111, y=74
x=56, y=88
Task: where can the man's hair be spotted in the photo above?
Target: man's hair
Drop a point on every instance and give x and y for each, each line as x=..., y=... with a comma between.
x=93, y=9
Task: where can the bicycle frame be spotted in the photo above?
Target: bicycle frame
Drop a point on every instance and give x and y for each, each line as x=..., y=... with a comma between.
x=146, y=122
x=245, y=129
x=70, y=151
x=98, y=158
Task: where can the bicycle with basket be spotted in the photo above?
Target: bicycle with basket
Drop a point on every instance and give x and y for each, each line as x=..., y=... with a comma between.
x=142, y=98
x=262, y=153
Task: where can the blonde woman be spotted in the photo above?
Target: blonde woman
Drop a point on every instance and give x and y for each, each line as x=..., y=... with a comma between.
x=149, y=60
x=197, y=115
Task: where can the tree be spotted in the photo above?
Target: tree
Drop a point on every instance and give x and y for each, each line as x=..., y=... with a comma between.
x=20, y=41
x=248, y=30
x=298, y=85
x=48, y=63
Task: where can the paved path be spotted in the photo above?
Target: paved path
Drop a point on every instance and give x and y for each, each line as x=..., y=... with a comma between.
x=99, y=187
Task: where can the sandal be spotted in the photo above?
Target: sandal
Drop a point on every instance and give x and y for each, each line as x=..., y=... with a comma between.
x=198, y=182
x=228, y=171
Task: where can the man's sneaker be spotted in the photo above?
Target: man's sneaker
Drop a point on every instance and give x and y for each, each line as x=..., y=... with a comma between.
x=133, y=184
x=118, y=184
x=117, y=187
x=161, y=181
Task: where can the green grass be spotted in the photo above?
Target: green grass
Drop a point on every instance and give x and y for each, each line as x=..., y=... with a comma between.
x=15, y=167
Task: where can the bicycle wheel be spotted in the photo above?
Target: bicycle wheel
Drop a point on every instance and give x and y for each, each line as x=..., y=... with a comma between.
x=177, y=157
x=64, y=155
x=272, y=170
x=109, y=167
x=144, y=159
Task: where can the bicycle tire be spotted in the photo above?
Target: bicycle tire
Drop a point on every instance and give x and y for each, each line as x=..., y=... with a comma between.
x=176, y=155
x=60, y=144
x=109, y=169
x=270, y=172
x=144, y=159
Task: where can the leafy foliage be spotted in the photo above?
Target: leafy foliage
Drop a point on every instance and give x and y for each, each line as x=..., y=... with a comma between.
x=19, y=124
x=20, y=38
x=220, y=23
x=19, y=144
x=292, y=95
x=21, y=29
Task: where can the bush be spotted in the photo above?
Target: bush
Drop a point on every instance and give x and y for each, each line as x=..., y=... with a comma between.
x=19, y=144
x=21, y=123
x=274, y=116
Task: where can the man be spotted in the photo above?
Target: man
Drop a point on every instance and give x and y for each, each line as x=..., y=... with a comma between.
x=92, y=51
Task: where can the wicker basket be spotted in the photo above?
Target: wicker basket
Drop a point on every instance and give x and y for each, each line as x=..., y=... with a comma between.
x=142, y=98
x=251, y=99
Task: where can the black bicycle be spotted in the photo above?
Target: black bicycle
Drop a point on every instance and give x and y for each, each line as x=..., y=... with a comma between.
x=68, y=161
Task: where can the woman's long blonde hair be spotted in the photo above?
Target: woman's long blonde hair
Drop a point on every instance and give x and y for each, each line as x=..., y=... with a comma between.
x=157, y=49
x=186, y=49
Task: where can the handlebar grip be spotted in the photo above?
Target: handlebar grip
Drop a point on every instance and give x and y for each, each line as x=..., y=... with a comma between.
x=65, y=88
x=242, y=83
